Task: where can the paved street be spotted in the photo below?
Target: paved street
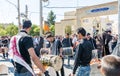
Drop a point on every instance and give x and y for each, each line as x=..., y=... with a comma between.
x=8, y=64
x=11, y=69
x=68, y=69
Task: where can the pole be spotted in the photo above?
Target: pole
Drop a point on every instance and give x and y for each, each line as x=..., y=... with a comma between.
x=41, y=28
x=77, y=18
x=116, y=50
x=26, y=12
x=118, y=21
x=19, y=25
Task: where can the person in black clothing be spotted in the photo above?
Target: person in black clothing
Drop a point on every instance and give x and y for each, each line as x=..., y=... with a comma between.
x=55, y=49
x=92, y=40
x=39, y=45
x=83, y=55
x=104, y=34
x=114, y=43
x=99, y=45
x=26, y=50
x=5, y=43
x=67, y=42
x=107, y=40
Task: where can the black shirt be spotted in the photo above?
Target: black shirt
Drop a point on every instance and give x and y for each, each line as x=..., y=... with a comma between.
x=24, y=44
x=83, y=55
x=93, y=42
x=67, y=42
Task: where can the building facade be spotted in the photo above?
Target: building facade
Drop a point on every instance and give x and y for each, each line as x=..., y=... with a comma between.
x=88, y=17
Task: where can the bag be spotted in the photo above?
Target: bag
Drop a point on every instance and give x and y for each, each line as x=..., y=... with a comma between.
x=68, y=50
x=116, y=50
x=94, y=52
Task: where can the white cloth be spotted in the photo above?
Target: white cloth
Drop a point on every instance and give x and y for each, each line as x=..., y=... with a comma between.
x=14, y=51
x=74, y=40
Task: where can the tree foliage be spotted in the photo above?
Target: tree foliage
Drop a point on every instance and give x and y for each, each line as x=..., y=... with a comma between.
x=35, y=30
x=52, y=29
x=51, y=18
x=8, y=30
x=3, y=32
x=11, y=30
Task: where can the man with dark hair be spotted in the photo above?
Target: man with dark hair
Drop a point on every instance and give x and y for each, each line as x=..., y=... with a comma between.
x=110, y=65
x=55, y=48
x=22, y=49
x=83, y=55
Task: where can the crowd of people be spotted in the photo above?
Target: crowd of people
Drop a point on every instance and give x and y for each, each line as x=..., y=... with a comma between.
x=24, y=47
x=104, y=45
x=4, y=43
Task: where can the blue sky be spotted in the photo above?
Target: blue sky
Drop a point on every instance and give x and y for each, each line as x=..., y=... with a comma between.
x=8, y=12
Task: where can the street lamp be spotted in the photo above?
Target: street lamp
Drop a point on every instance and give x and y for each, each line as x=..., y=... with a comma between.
x=25, y=15
x=41, y=16
x=41, y=12
x=19, y=24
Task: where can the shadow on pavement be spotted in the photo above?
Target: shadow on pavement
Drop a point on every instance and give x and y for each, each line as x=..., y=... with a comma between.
x=6, y=60
x=11, y=69
x=68, y=66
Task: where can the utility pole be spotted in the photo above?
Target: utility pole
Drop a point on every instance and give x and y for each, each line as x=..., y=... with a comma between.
x=41, y=19
x=19, y=24
x=116, y=50
x=118, y=21
x=26, y=12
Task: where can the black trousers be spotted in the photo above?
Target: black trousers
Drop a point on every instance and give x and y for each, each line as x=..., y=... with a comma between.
x=107, y=52
x=5, y=54
x=61, y=70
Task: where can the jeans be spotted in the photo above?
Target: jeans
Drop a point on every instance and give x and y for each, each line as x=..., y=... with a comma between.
x=99, y=53
x=22, y=74
x=83, y=71
x=69, y=60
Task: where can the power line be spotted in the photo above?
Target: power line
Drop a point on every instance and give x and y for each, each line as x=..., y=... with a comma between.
x=12, y=4
x=61, y=7
x=47, y=14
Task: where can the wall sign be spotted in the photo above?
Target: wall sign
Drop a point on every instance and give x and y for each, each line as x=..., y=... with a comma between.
x=102, y=9
x=99, y=9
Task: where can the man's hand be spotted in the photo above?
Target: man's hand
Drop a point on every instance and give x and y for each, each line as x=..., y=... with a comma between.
x=61, y=55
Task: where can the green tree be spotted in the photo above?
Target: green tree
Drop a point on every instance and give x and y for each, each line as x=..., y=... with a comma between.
x=3, y=32
x=35, y=30
x=68, y=29
x=52, y=29
x=2, y=27
x=51, y=18
x=11, y=29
